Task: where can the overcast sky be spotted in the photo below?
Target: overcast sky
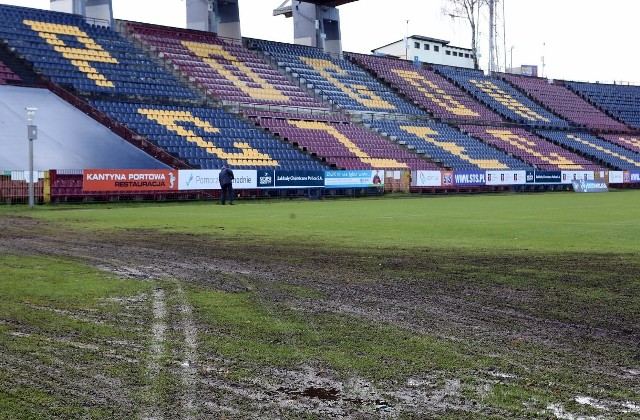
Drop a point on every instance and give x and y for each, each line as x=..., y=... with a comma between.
x=584, y=40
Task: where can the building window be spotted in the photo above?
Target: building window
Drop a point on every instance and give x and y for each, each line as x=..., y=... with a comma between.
x=426, y=46
x=417, y=45
x=466, y=55
x=455, y=53
x=436, y=48
x=448, y=52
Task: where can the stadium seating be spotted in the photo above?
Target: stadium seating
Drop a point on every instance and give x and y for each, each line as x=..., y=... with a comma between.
x=7, y=75
x=427, y=89
x=502, y=97
x=222, y=68
x=599, y=150
x=339, y=81
x=85, y=57
x=534, y=150
x=620, y=101
x=346, y=145
x=208, y=138
x=299, y=107
x=450, y=147
x=628, y=142
x=565, y=103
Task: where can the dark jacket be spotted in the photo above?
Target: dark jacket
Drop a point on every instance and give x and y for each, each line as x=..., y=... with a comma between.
x=226, y=176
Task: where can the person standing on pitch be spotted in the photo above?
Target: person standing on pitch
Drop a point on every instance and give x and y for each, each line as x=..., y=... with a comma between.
x=226, y=182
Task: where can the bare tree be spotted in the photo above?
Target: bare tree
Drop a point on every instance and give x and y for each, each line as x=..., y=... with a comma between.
x=469, y=10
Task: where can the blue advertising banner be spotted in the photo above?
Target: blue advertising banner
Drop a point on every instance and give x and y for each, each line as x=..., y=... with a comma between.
x=548, y=177
x=634, y=176
x=469, y=178
x=299, y=179
x=531, y=177
x=353, y=179
x=589, y=186
x=266, y=179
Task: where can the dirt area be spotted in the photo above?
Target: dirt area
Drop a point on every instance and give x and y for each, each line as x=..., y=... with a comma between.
x=598, y=347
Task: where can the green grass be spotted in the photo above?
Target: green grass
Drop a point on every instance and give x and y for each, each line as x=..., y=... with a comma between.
x=56, y=317
x=558, y=221
x=268, y=336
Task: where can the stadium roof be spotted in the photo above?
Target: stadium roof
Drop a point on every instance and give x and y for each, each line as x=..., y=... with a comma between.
x=330, y=3
x=286, y=10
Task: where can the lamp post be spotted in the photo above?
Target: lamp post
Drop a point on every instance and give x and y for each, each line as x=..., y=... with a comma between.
x=406, y=43
x=511, y=65
x=544, y=44
x=32, y=133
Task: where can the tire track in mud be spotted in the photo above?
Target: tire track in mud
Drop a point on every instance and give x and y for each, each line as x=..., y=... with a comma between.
x=172, y=316
x=156, y=350
x=189, y=374
x=172, y=353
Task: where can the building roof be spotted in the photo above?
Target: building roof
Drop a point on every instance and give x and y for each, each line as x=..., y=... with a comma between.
x=422, y=38
x=426, y=38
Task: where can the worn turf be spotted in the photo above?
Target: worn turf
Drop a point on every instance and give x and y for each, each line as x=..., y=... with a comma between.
x=467, y=306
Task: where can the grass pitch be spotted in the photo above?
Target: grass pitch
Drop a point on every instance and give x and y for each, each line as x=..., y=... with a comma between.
x=462, y=306
x=557, y=222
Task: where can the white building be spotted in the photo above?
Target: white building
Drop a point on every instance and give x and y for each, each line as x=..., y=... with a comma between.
x=428, y=50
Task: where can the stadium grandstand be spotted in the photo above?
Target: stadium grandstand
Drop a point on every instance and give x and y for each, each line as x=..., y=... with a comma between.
x=120, y=95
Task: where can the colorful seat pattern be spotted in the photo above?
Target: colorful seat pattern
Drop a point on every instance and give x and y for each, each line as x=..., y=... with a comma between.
x=208, y=138
x=89, y=58
x=452, y=148
x=346, y=145
x=565, y=103
x=502, y=98
x=629, y=142
x=620, y=101
x=427, y=89
x=598, y=149
x=224, y=69
x=341, y=82
x=534, y=150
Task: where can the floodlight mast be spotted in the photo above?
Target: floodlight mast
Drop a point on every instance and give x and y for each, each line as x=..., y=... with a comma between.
x=32, y=134
x=492, y=65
